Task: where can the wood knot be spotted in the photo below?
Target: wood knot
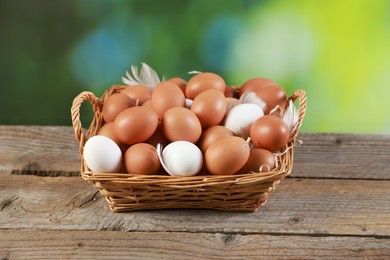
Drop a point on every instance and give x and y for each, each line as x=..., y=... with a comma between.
x=229, y=238
x=7, y=202
x=338, y=140
x=295, y=220
x=4, y=204
x=80, y=244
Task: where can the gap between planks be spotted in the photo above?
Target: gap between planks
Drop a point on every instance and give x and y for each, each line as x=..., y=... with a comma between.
x=227, y=233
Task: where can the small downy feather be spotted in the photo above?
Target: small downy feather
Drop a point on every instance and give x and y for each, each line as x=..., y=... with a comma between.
x=145, y=76
x=247, y=97
x=291, y=116
x=250, y=97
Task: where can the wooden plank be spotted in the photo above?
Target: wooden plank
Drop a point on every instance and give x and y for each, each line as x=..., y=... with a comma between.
x=39, y=150
x=353, y=156
x=38, y=244
x=53, y=151
x=297, y=206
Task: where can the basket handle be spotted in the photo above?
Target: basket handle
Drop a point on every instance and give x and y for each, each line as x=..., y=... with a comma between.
x=75, y=112
x=301, y=96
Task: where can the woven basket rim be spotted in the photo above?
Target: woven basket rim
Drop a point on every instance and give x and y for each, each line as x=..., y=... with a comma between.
x=192, y=180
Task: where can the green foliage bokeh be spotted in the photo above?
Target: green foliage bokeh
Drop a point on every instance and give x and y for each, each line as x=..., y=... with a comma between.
x=338, y=51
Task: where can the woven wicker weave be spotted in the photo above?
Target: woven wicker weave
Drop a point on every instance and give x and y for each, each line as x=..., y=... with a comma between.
x=126, y=192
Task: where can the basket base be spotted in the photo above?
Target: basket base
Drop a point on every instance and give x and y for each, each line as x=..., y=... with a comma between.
x=121, y=205
x=228, y=193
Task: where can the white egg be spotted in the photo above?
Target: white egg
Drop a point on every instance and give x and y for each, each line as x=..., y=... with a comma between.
x=240, y=118
x=101, y=154
x=181, y=158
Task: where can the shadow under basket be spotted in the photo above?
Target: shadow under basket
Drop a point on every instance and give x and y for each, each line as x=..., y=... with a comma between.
x=127, y=192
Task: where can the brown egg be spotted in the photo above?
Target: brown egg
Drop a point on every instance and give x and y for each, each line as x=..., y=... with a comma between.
x=107, y=131
x=256, y=84
x=135, y=125
x=273, y=96
x=181, y=83
x=210, y=107
x=140, y=92
x=181, y=124
x=269, y=132
x=227, y=155
x=115, y=104
x=158, y=138
x=142, y=158
x=147, y=103
x=211, y=135
x=165, y=96
x=259, y=158
x=202, y=82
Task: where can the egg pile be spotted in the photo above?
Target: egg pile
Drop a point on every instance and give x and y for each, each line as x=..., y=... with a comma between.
x=199, y=127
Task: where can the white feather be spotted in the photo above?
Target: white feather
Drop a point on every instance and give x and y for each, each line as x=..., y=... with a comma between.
x=149, y=75
x=291, y=116
x=146, y=76
x=194, y=72
x=251, y=97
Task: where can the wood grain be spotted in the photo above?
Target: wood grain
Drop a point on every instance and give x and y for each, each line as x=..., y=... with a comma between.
x=297, y=206
x=53, y=151
x=39, y=150
x=38, y=244
x=352, y=156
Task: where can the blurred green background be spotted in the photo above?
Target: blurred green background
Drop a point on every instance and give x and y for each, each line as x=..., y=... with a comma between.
x=338, y=51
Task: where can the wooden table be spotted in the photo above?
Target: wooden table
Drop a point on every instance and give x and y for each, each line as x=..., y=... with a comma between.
x=334, y=205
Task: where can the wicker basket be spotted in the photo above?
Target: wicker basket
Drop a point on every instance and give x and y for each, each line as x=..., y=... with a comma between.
x=126, y=192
